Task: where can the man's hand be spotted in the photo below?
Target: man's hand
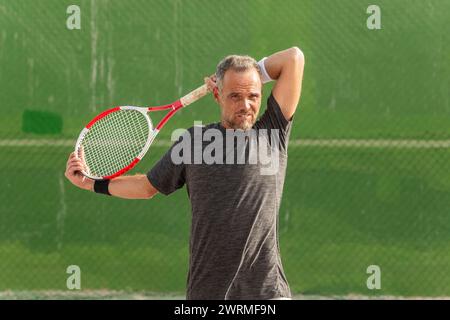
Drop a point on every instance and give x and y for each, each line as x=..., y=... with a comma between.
x=73, y=172
x=211, y=82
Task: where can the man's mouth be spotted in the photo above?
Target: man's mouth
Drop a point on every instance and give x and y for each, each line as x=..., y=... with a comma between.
x=245, y=115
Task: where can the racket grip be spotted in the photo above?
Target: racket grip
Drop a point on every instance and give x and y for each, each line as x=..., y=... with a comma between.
x=194, y=95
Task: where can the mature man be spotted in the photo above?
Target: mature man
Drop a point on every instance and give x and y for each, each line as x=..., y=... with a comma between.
x=234, y=248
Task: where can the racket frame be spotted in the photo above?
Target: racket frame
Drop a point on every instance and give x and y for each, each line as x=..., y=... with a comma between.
x=153, y=132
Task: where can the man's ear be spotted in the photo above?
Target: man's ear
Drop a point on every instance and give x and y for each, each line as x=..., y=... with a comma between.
x=216, y=93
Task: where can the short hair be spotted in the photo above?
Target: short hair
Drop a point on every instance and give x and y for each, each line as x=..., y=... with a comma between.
x=236, y=63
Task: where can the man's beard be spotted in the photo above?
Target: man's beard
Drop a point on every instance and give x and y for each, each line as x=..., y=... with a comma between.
x=244, y=124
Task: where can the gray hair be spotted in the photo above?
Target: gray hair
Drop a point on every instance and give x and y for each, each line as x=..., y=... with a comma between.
x=236, y=63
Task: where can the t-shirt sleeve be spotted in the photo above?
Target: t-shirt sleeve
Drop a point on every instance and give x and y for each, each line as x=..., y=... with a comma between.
x=166, y=176
x=273, y=118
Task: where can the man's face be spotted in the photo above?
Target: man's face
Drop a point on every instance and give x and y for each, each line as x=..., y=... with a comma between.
x=240, y=99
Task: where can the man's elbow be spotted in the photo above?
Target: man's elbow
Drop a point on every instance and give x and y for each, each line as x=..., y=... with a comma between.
x=297, y=55
x=148, y=194
x=148, y=190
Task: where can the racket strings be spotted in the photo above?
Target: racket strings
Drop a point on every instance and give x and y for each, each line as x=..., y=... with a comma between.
x=113, y=142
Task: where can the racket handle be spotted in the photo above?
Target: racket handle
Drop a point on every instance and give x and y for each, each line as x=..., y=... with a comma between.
x=194, y=95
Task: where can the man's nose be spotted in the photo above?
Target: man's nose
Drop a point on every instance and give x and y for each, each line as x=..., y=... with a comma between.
x=247, y=104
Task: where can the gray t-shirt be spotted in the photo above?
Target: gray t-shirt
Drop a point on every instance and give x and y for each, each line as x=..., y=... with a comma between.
x=234, y=248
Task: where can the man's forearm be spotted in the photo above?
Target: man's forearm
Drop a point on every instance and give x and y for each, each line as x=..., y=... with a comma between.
x=127, y=187
x=131, y=187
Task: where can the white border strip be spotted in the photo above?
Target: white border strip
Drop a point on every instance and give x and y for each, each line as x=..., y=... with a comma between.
x=149, y=295
x=325, y=143
x=54, y=143
x=416, y=144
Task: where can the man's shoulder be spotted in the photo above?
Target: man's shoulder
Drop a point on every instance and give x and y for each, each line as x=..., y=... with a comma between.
x=273, y=117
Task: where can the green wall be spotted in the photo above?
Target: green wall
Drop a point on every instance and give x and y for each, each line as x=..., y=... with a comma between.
x=344, y=207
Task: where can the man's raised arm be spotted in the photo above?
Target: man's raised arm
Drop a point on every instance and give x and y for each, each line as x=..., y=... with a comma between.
x=127, y=187
x=286, y=67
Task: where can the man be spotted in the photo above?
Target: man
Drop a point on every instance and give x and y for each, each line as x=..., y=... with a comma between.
x=234, y=249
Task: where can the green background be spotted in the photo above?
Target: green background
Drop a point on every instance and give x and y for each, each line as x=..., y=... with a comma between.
x=344, y=207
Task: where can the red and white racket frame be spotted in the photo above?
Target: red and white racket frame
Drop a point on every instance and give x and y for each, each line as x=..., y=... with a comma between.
x=174, y=107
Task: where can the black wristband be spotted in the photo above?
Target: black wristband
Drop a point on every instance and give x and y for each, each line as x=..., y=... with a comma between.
x=101, y=186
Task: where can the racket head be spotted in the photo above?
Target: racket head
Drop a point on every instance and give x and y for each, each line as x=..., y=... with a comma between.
x=114, y=142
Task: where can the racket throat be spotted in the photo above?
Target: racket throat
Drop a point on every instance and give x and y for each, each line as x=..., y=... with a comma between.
x=151, y=137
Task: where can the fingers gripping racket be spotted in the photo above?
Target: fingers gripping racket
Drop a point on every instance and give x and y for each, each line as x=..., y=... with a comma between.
x=117, y=139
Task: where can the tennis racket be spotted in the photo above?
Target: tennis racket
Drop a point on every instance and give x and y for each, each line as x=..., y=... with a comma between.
x=117, y=139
